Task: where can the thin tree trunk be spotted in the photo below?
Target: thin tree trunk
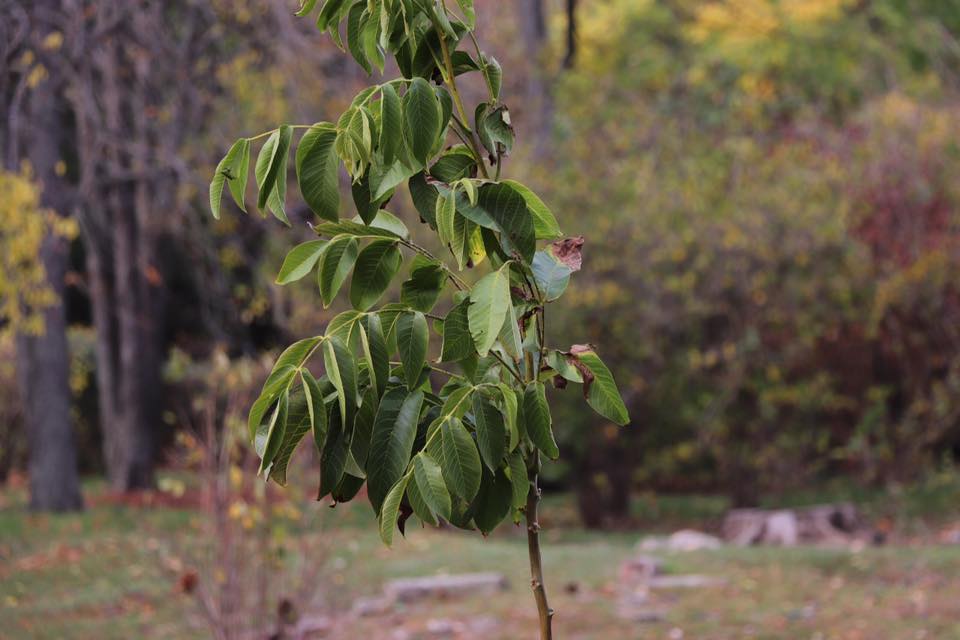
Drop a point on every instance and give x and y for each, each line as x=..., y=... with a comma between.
x=533, y=28
x=544, y=611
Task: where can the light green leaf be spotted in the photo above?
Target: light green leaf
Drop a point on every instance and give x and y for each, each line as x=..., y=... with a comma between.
x=342, y=372
x=551, y=275
x=300, y=261
x=376, y=265
x=335, y=265
x=275, y=431
x=358, y=230
x=412, y=341
x=461, y=461
x=232, y=169
x=430, y=483
x=271, y=172
x=510, y=337
x=391, y=509
x=445, y=212
x=317, y=168
x=510, y=408
x=602, y=393
x=489, y=303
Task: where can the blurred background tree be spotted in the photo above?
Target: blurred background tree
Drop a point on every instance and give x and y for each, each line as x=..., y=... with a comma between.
x=774, y=231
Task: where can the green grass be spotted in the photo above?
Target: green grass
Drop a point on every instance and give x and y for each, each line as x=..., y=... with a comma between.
x=111, y=572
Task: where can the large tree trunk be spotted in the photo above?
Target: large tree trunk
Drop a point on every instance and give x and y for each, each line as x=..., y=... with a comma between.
x=43, y=364
x=43, y=361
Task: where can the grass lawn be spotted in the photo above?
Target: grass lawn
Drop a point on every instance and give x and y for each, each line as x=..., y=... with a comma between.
x=112, y=572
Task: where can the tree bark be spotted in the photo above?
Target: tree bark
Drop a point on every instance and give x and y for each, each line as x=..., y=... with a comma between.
x=43, y=361
x=545, y=613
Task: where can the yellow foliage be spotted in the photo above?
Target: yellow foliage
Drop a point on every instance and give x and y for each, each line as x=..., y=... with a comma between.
x=24, y=291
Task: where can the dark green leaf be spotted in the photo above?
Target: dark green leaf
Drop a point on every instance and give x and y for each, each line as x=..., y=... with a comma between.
x=423, y=289
x=493, y=502
x=333, y=459
x=342, y=372
x=377, y=354
x=412, y=341
x=461, y=462
x=544, y=222
x=457, y=340
x=519, y=479
x=298, y=423
x=335, y=265
x=391, y=444
x=421, y=116
x=508, y=208
x=536, y=414
x=491, y=431
x=376, y=265
x=317, y=168
x=391, y=123
x=317, y=409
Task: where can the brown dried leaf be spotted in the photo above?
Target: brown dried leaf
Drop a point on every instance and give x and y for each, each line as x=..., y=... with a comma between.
x=569, y=252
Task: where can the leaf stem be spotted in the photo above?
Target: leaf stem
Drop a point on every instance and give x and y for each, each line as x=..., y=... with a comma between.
x=267, y=133
x=413, y=246
x=451, y=80
x=507, y=367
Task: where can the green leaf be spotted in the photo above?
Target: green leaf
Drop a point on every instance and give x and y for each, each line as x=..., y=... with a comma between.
x=457, y=403
x=317, y=169
x=359, y=230
x=363, y=426
x=508, y=208
x=461, y=461
x=232, y=169
x=544, y=222
x=391, y=444
x=275, y=431
x=445, y=213
x=333, y=459
x=455, y=163
x=519, y=479
x=421, y=116
x=552, y=275
x=457, y=340
x=342, y=372
x=466, y=7
x=495, y=129
x=430, y=483
x=298, y=423
x=419, y=505
x=391, y=509
x=491, y=432
x=489, y=303
x=493, y=502
x=335, y=265
x=317, y=409
x=376, y=265
x=300, y=261
x=412, y=341
x=377, y=354
x=510, y=337
x=306, y=8
x=536, y=413
x=493, y=74
x=601, y=392
x=355, y=36
x=387, y=222
x=424, y=198
x=384, y=178
x=271, y=172
x=391, y=123
x=510, y=414
x=423, y=289
x=348, y=488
